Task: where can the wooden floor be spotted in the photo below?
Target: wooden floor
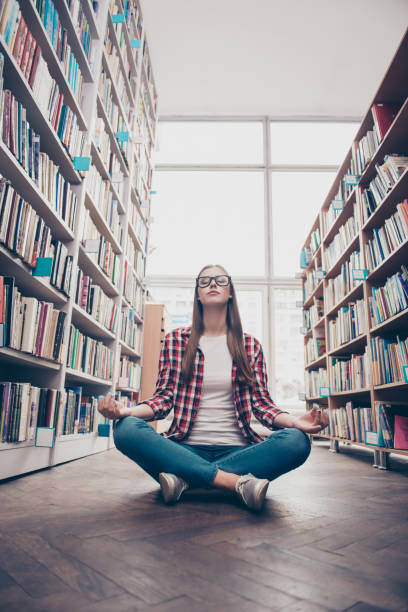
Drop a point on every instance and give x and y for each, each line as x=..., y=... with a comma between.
x=93, y=535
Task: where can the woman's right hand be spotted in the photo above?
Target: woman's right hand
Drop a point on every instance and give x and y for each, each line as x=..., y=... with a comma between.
x=111, y=408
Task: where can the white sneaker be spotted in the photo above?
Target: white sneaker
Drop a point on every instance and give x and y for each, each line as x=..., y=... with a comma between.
x=252, y=490
x=172, y=487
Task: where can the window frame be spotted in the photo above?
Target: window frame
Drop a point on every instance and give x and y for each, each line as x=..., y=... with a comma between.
x=269, y=281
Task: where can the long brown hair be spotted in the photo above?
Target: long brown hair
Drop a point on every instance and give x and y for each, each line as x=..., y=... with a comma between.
x=235, y=337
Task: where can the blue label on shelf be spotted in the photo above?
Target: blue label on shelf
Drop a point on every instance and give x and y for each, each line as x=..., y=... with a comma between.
x=135, y=44
x=104, y=430
x=82, y=163
x=122, y=136
x=359, y=273
x=324, y=391
x=320, y=274
x=153, y=192
x=43, y=267
x=405, y=369
x=351, y=179
x=371, y=437
x=45, y=436
x=338, y=204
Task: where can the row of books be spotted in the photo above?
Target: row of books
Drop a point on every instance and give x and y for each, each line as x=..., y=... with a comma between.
x=315, y=347
x=361, y=154
x=135, y=257
x=118, y=76
x=130, y=331
x=349, y=373
x=389, y=360
x=28, y=324
x=58, y=37
x=351, y=422
x=312, y=279
x=81, y=27
x=312, y=315
x=388, y=423
x=388, y=174
x=129, y=373
x=144, y=162
x=390, y=299
x=112, y=109
x=57, y=190
x=383, y=115
x=91, y=298
x=338, y=287
x=310, y=249
x=23, y=408
x=342, y=239
x=330, y=215
x=349, y=323
x=89, y=355
x=138, y=224
x=392, y=425
x=132, y=290
x=100, y=250
x=78, y=413
x=389, y=237
x=315, y=380
x=20, y=139
x=129, y=55
x=25, y=234
x=103, y=198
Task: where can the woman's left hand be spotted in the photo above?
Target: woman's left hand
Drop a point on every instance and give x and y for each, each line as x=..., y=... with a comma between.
x=312, y=421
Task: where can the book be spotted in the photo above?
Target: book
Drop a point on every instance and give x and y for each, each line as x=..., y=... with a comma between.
x=401, y=431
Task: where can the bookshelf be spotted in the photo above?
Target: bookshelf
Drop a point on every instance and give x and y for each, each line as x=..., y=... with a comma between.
x=355, y=282
x=76, y=142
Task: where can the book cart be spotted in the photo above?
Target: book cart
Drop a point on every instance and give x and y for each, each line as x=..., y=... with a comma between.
x=94, y=76
x=354, y=260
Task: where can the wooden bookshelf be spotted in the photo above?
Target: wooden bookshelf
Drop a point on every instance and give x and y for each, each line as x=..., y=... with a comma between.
x=132, y=208
x=393, y=89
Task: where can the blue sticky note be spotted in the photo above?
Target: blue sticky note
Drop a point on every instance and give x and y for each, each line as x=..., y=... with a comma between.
x=43, y=267
x=359, y=273
x=82, y=163
x=135, y=44
x=104, y=430
x=45, y=436
x=324, y=391
x=122, y=136
x=120, y=18
x=153, y=192
x=371, y=437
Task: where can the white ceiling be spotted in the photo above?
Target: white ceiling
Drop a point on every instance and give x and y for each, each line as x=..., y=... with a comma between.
x=321, y=58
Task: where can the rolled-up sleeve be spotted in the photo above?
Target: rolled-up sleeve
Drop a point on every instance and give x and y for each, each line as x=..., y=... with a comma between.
x=161, y=401
x=263, y=406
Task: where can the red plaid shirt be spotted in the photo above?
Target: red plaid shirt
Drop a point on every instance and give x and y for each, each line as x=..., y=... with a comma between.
x=171, y=392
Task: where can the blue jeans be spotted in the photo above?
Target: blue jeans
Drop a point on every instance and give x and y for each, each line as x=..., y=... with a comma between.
x=284, y=450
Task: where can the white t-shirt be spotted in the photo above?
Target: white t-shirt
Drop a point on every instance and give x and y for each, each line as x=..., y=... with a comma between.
x=216, y=422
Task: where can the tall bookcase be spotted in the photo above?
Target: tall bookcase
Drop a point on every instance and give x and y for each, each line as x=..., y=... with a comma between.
x=339, y=274
x=110, y=175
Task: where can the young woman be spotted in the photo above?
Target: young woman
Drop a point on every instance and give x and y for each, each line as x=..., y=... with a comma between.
x=213, y=376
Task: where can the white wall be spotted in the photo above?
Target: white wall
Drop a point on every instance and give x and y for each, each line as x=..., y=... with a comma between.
x=296, y=57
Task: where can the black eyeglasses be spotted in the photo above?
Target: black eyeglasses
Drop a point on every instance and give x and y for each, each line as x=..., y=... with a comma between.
x=222, y=280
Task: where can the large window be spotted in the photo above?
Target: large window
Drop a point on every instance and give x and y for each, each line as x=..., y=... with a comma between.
x=202, y=218
x=296, y=200
x=210, y=142
x=310, y=143
x=221, y=199
x=179, y=305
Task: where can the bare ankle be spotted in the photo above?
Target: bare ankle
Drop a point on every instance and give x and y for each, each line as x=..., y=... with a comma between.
x=225, y=480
